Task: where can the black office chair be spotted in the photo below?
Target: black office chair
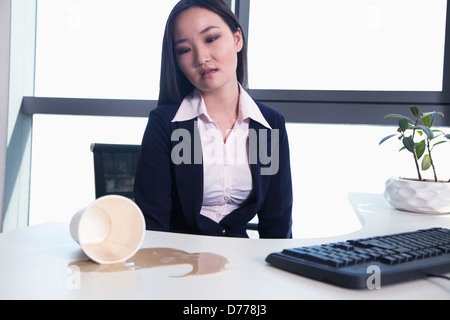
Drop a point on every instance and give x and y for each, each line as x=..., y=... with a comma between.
x=115, y=168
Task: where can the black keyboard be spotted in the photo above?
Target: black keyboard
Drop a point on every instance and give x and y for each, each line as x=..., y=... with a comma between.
x=370, y=263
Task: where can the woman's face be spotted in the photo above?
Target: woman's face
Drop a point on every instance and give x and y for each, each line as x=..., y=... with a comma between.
x=206, y=49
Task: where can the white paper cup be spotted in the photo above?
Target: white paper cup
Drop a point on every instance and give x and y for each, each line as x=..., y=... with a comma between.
x=110, y=230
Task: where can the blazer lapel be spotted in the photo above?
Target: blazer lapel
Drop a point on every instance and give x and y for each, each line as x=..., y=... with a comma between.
x=259, y=149
x=189, y=173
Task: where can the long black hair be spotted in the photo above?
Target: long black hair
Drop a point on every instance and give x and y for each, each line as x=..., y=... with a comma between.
x=173, y=84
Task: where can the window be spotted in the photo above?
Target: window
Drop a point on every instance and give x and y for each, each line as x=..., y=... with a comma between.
x=99, y=49
x=110, y=49
x=88, y=49
x=62, y=168
x=370, y=45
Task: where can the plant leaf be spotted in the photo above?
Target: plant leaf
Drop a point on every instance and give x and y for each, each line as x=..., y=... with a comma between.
x=408, y=142
x=425, y=114
x=403, y=124
x=440, y=142
x=386, y=138
x=420, y=148
x=427, y=131
x=426, y=163
x=428, y=120
x=392, y=115
x=414, y=111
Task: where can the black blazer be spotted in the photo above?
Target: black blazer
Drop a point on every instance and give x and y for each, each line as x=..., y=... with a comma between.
x=170, y=195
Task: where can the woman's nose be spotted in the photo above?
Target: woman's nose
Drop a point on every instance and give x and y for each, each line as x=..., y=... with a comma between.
x=201, y=57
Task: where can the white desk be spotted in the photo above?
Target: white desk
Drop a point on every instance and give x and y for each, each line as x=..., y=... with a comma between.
x=34, y=265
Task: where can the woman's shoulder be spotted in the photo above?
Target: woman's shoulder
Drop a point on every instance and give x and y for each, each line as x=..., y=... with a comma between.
x=165, y=110
x=272, y=116
x=160, y=118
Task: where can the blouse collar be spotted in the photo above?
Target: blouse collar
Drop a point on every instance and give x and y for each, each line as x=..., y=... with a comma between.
x=193, y=106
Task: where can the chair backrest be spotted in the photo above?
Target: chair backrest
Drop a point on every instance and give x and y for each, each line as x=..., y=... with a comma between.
x=114, y=168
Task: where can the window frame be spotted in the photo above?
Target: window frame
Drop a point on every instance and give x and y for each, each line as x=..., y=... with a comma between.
x=311, y=106
x=353, y=107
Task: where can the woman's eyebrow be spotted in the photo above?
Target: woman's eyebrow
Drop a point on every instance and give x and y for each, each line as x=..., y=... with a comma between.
x=201, y=32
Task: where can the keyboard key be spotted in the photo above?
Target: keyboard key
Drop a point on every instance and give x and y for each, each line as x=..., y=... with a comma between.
x=366, y=258
x=298, y=253
x=375, y=243
x=374, y=255
x=400, y=258
x=445, y=248
x=389, y=260
x=425, y=254
x=313, y=257
x=323, y=259
x=401, y=249
x=344, y=246
x=336, y=263
x=408, y=256
x=416, y=255
x=356, y=258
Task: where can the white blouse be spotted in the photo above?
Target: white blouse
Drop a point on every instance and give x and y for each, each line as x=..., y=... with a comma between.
x=227, y=177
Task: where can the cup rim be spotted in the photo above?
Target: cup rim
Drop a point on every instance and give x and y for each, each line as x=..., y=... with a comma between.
x=139, y=243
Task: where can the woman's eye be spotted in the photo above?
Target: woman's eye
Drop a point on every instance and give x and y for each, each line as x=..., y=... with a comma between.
x=183, y=50
x=212, y=38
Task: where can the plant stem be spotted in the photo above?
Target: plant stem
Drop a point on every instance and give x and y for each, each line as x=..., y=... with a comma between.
x=431, y=161
x=417, y=165
x=416, y=161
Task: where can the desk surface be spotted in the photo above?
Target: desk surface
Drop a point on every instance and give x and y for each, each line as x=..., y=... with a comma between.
x=35, y=264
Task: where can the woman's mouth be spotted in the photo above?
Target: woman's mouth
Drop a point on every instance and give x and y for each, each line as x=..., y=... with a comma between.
x=208, y=72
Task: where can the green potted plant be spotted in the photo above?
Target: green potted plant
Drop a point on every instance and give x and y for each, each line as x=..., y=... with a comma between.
x=419, y=139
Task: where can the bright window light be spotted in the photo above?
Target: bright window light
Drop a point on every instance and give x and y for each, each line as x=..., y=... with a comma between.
x=100, y=48
x=347, y=44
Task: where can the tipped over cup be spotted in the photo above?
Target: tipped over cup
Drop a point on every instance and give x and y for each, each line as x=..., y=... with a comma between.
x=110, y=230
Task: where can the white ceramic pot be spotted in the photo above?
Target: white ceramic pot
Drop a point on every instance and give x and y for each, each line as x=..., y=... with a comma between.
x=418, y=196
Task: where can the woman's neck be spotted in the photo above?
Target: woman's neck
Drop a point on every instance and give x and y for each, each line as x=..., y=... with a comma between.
x=223, y=103
x=222, y=106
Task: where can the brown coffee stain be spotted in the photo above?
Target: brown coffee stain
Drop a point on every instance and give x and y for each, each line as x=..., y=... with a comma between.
x=202, y=263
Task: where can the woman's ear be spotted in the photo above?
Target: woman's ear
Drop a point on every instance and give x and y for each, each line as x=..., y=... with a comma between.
x=238, y=40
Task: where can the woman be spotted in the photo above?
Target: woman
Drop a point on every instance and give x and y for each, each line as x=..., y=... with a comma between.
x=211, y=158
